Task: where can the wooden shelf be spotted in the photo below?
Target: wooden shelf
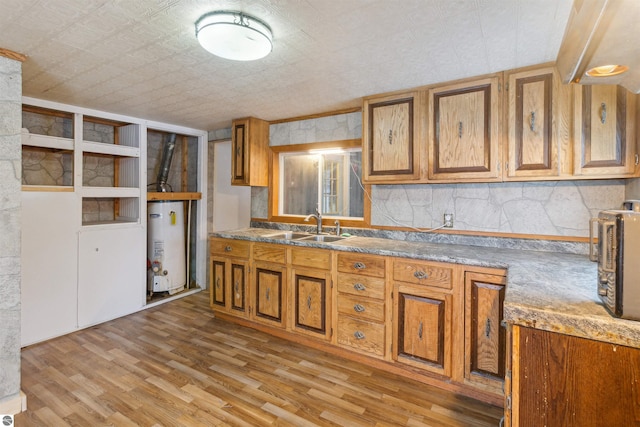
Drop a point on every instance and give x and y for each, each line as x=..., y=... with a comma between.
x=174, y=196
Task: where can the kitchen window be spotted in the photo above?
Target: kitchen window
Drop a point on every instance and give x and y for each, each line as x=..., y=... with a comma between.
x=324, y=176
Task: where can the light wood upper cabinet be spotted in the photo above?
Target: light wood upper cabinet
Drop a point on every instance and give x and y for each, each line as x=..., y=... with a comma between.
x=538, y=122
x=249, y=145
x=464, y=130
x=392, y=138
x=604, y=128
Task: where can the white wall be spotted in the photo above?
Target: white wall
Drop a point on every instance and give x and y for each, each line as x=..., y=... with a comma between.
x=231, y=203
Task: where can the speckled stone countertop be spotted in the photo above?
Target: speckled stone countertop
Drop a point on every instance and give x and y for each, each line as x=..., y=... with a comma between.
x=545, y=290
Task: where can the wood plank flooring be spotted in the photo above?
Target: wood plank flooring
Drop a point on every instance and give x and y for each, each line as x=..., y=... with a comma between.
x=177, y=365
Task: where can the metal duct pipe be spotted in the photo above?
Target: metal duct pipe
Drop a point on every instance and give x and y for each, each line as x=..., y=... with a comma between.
x=165, y=164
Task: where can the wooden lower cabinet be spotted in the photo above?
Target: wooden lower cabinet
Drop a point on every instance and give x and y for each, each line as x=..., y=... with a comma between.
x=434, y=321
x=311, y=296
x=229, y=276
x=485, y=337
x=269, y=294
x=561, y=380
x=423, y=329
x=361, y=306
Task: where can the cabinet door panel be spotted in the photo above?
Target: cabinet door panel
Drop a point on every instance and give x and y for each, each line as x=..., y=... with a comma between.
x=485, y=338
x=238, y=155
x=464, y=131
x=218, y=283
x=421, y=328
x=269, y=294
x=310, y=303
x=462, y=125
x=391, y=138
x=605, y=131
x=238, y=286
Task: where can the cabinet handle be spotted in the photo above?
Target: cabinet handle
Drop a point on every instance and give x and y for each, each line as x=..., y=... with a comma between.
x=237, y=288
x=487, y=328
x=218, y=283
x=359, y=266
x=636, y=160
x=359, y=287
x=420, y=331
x=603, y=113
x=359, y=308
x=359, y=335
x=267, y=295
x=227, y=248
x=420, y=275
x=390, y=137
x=459, y=129
x=309, y=302
x=532, y=121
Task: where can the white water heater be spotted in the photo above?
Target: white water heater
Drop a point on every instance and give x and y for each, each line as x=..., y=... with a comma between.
x=166, y=247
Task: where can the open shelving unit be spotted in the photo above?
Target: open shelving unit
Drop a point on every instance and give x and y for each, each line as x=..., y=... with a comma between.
x=84, y=211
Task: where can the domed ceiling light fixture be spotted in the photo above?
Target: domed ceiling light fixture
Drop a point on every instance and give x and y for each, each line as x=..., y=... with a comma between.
x=234, y=35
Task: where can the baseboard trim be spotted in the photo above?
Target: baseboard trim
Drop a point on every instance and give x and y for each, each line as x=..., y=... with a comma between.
x=15, y=405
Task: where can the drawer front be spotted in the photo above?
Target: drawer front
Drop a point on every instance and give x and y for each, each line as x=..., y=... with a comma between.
x=421, y=273
x=361, y=264
x=229, y=247
x=269, y=253
x=315, y=258
x=355, y=284
x=361, y=335
x=361, y=308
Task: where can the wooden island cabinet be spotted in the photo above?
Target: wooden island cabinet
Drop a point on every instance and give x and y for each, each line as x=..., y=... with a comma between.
x=433, y=321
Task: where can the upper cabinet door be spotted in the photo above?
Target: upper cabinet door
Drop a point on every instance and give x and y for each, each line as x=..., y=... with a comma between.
x=392, y=136
x=250, y=144
x=539, y=125
x=605, y=131
x=464, y=131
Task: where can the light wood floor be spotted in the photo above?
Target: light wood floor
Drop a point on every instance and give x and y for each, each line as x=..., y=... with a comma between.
x=176, y=365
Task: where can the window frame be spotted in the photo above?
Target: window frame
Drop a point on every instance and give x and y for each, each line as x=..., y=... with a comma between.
x=274, y=184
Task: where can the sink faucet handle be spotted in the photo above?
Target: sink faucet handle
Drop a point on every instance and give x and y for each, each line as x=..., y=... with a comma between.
x=337, y=224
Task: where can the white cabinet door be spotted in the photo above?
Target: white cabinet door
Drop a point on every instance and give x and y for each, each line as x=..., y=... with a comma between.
x=49, y=265
x=111, y=268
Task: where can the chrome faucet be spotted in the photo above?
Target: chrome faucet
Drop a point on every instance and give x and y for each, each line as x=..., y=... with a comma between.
x=337, y=224
x=318, y=218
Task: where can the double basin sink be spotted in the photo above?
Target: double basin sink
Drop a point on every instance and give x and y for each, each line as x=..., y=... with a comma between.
x=306, y=237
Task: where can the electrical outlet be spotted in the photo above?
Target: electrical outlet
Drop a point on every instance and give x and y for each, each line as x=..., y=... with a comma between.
x=448, y=220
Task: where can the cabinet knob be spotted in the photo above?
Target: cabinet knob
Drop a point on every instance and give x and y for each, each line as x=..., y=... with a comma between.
x=359, y=287
x=359, y=266
x=359, y=308
x=359, y=335
x=420, y=275
x=227, y=248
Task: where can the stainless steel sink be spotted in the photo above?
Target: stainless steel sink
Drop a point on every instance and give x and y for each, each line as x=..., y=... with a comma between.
x=288, y=235
x=323, y=238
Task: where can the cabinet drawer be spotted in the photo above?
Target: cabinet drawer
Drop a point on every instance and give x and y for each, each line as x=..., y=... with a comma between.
x=229, y=247
x=422, y=273
x=362, y=308
x=356, y=284
x=270, y=253
x=361, y=335
x=316, y=258
x=367, y=265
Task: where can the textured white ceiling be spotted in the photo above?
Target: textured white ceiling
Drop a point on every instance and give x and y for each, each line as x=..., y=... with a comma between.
x=141, y=58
